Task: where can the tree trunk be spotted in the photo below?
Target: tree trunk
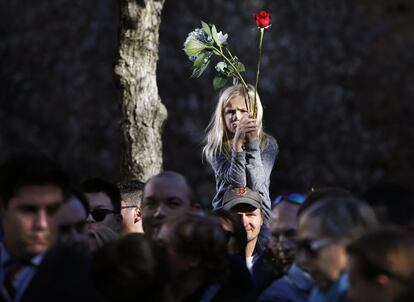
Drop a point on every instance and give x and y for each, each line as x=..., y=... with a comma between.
x=143, y=114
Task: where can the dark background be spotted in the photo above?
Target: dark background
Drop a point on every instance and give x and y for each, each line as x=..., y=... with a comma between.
x=336, y=84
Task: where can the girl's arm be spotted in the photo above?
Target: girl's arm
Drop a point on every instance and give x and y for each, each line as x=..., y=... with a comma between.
x=259, y=164
x=232, y=171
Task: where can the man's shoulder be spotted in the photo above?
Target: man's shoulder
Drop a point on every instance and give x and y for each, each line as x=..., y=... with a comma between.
x=64, y=274
x=280, y=290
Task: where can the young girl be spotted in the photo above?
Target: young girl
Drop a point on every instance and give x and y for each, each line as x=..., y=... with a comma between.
x=237, y=149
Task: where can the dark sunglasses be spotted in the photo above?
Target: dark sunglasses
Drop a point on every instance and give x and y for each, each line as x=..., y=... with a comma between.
x=312, y=247
x=295, y=198
x=100, y=214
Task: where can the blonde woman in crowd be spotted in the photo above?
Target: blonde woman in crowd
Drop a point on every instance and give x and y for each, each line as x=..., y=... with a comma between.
x=239, y=151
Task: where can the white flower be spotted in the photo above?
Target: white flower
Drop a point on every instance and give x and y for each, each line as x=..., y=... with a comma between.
x=196, y=41
x=220, y=66
x=222, y=38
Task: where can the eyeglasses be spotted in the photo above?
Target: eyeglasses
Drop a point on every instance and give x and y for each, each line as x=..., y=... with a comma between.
x=128, y=207
x=296, y=198
x=312, y=247
x=100, y=214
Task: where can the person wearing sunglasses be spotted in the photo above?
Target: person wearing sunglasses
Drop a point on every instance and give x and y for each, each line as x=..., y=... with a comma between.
x=325, y=228
x=104, y=202
x=283, y=227
x=131, y=197
x=296, y=285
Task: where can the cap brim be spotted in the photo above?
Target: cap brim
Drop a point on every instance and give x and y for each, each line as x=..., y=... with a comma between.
x=236, y=201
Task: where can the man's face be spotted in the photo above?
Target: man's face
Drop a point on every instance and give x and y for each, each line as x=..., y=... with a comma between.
x=323, y=258
x=162, y=197
x=101, y=204
x=252, y=220
x=71, y=224
x=29, y=220
x=283, y=227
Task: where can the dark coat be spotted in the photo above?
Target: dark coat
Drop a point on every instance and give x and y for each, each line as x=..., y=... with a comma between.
x=63, y=275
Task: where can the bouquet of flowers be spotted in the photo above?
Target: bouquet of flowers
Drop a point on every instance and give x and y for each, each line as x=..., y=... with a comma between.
x=204, y=43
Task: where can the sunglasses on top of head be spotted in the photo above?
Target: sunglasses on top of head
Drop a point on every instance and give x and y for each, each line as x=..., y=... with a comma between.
x=296, y=198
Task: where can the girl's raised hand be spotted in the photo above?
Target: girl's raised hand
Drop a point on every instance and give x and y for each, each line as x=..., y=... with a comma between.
x=246, y=131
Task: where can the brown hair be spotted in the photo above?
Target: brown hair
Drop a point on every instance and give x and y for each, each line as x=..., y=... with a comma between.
x=131, y=268
x=322, y=193
x=201, y=237
x=342, y=219
x=388, y=251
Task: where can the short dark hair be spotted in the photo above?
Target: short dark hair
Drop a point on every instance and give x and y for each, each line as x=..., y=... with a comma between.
x=342, y=219
x=179, y=177
x=24, y=170
x=318, y=194
x=79, y=195
x=96, y=185
x=387, y=250
x=201, y=237
x=130, y=267
x=132, y=190
x=130, y=185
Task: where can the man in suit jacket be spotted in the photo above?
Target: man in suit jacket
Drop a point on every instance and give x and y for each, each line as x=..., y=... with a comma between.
x=31, y=193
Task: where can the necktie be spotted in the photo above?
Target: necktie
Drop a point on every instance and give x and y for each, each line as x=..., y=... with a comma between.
x=9, y=280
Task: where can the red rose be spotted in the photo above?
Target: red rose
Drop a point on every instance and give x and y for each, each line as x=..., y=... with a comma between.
x=262, y=19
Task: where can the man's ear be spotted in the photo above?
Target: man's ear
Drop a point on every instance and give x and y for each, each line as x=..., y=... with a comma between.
x=137, y=215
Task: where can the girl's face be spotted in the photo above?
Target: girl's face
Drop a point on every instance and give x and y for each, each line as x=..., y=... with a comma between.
x=233, y=112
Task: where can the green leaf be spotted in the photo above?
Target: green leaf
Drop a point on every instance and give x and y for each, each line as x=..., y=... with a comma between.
x=215, y=35
x=198, y=71
x=193, y=47
x=219, y=82
x=200, y=59
x=240, y=67
x=206, y=28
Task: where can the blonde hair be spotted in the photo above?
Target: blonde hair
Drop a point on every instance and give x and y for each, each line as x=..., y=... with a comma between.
x=217, y=139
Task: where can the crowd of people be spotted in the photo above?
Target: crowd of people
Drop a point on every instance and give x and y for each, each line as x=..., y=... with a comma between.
x=95, y=240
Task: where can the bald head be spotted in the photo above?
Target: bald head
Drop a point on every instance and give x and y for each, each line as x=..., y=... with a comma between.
x=164, y=194
x=173, y=179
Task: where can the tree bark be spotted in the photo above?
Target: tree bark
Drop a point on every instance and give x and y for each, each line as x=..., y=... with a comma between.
x=143, y=114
